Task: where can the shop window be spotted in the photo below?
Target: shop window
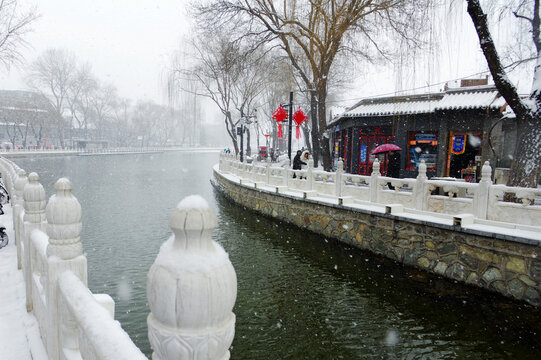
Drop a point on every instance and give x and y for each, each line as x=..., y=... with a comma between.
x=422, y=146
x=464, y=156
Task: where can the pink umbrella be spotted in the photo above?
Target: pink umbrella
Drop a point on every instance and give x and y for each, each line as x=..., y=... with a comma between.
x=385, y=148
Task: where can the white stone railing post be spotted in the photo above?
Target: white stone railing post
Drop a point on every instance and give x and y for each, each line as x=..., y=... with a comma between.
x=64, y=252
x=374, y=182
x=18, y=205
x=253, y=171
x=420, y=192
x=338, y=178
x=481, y=195
x=286, y=175
x=34, y=218
x=310, y=175
x=191, y=289
x=267, y=170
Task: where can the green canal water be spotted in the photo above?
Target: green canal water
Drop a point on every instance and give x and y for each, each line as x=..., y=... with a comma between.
x=300, y=295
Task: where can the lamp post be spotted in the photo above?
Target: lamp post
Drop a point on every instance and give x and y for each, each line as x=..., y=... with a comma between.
x=289, y=126
x=244, y=120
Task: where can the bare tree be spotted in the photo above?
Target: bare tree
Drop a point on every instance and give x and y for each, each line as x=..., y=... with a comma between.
x=317, y=31
x=122, y=134
x=102, y=101
x=184, y=103
x=80, y=94
x=527, y=156
x=52, y=75
x=14, y=24
x=216, y=71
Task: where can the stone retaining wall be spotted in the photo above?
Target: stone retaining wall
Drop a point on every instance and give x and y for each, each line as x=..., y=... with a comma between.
x=509, y=266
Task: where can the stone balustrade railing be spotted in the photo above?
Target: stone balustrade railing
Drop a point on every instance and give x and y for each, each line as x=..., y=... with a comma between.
x=191, y=288
x=484, y=199
x=108, y=150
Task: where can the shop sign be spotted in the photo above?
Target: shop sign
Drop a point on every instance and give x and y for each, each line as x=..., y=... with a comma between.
x=362, y=157
x=425, y=138
x=459, y=144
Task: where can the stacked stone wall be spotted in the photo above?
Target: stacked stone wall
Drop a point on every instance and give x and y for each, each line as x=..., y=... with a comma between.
x=502, y=264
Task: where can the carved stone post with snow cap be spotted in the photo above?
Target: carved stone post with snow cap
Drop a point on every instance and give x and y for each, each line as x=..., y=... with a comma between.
x=374, y=182
x=18, y=203
x=191, y=289
x=338, y=178
x=34, y=218
x=420, y=192
x=481, y=196
x=64, y=252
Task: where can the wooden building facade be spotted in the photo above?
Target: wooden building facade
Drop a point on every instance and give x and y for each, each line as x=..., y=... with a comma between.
x=449, y=130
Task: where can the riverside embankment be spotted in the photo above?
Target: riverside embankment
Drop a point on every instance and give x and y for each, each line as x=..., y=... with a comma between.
x=496, y=256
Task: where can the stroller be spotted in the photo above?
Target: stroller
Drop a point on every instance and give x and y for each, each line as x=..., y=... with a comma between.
x=3, y=237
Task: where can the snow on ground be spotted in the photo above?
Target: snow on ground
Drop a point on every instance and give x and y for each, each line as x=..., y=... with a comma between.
x=19, y=332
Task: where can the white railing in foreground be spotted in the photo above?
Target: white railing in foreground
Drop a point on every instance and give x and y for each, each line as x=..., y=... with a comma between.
x=191, y=287
x=484, y=200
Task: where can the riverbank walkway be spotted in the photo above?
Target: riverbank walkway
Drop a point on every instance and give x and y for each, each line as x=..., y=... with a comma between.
x=19, y=331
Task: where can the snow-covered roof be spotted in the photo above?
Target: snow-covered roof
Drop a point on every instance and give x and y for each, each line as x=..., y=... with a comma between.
x=394, y=106
x=475, y=97
x=24, y=101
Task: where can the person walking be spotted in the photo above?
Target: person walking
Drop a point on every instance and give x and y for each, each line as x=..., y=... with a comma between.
x=393, y=166
x=297, y=162
x=3, y=237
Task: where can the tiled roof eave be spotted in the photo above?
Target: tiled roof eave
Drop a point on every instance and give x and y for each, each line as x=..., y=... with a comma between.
x=468, y=107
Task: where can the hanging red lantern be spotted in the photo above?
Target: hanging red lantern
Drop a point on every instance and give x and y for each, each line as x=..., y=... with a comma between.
x=280, y=115
x=299, y=118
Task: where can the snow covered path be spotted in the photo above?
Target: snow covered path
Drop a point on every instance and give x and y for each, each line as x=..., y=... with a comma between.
x=19, y=332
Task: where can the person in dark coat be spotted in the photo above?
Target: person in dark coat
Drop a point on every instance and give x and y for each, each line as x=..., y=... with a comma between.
x=393, y=166
x=3, y=237
x=297, y=162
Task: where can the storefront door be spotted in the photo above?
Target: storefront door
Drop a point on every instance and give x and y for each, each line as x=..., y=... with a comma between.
x=369, y=139
x=464, y=150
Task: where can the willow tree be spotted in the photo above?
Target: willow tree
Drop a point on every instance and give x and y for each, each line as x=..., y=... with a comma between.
x=527, y=155
x=317, y=31
x=227, y=74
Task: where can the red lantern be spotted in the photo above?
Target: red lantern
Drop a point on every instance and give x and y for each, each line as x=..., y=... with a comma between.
x=280, y=115
x=299, y=118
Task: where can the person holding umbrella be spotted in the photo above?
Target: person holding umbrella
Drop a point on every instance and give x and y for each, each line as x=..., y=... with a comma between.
x=393, y=166
x=393, y=160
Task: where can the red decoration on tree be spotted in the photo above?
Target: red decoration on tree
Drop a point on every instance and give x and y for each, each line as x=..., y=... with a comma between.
x=280, y=115
x=299, y=118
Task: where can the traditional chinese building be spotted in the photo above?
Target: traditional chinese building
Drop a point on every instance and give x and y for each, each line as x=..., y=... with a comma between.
x=449, y=130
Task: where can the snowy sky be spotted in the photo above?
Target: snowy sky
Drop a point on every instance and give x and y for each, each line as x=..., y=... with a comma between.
x=129, y=43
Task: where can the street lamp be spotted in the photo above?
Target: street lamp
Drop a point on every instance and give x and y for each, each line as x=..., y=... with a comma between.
x=289, y=107
x=244, y=120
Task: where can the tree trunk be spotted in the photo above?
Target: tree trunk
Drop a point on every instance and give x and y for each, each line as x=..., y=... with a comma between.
x=315, y=128
x=527, y=157
x=248, y=147
x=322, y=122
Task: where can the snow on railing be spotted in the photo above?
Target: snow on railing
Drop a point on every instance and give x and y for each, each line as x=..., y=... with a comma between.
x=484, y=200
x=75, y=324
x=191, y=289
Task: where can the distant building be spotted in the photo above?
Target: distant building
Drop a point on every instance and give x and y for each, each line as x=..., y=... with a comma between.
x=449, y=130
x=27, y=119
